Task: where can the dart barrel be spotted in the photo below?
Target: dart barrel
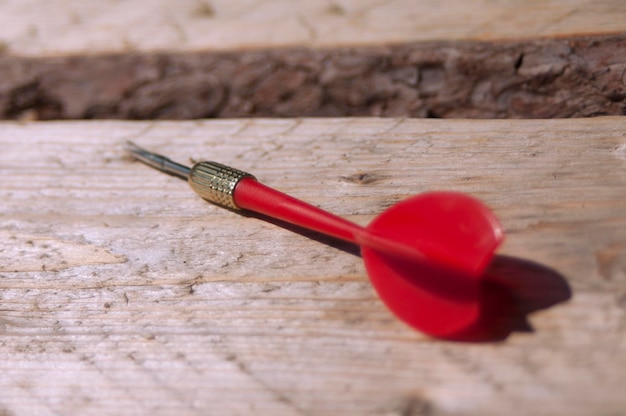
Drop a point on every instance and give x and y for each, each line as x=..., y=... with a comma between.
x=216, y=182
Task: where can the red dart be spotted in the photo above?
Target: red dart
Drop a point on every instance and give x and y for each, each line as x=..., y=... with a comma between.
x=425, y=255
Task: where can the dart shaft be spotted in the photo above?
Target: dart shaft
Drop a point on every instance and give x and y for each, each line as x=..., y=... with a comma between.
x=254, y=196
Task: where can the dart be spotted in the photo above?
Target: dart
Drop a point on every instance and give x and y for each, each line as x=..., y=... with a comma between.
x=426, y=256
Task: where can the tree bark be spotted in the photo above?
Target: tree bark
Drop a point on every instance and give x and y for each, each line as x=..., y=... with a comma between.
x=548, y=78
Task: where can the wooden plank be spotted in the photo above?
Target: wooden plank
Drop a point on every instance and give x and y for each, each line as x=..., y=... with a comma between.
x=121, y=292
x=39, y=27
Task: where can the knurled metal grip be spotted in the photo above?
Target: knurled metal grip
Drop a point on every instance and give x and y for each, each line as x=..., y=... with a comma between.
x=216, y=182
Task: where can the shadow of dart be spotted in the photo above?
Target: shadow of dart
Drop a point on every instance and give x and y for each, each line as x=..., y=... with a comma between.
x=513, y=288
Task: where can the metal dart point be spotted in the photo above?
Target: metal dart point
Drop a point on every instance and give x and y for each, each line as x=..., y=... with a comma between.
x=157, y=161
x=211, y=180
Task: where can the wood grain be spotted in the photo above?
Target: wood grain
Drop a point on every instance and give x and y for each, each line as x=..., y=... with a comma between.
x=40, y=27
x=121, y=292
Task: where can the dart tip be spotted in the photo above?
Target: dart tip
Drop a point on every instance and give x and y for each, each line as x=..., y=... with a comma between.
x=157, y=161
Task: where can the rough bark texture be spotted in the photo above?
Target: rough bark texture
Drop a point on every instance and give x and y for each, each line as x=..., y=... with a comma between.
x=548, y=78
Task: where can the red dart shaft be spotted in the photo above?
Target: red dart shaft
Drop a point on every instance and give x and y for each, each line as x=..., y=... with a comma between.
x=254, y=196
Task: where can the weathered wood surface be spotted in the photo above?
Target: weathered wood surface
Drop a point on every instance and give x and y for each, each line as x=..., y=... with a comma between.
x=44, y=27
x=121, y=292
